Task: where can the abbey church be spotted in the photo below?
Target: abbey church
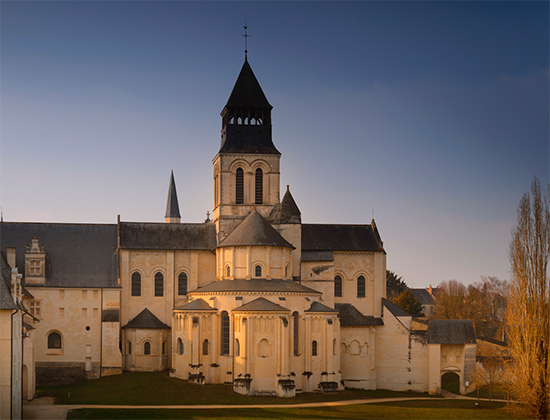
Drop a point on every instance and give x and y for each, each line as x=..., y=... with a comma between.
x=251, y=297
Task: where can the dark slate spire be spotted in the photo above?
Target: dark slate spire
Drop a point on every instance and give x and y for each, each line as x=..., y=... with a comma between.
x=246, y=118
x=172, y=207
x=290, y=213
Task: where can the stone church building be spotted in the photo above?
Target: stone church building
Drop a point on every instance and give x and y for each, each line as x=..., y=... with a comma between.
x=252, y=297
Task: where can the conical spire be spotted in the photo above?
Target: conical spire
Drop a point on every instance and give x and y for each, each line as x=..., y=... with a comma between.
x=290, y=213
x=172, y=207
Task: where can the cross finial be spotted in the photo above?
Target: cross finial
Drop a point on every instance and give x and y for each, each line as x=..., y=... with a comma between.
x=246, y=36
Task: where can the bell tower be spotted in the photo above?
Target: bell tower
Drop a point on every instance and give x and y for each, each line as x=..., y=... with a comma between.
x=246, y=168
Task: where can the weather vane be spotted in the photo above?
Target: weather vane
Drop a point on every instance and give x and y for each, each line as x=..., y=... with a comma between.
x=245, y=39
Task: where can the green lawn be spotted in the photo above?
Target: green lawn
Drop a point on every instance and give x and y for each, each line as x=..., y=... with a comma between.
x=421, y=409
x=141, y=388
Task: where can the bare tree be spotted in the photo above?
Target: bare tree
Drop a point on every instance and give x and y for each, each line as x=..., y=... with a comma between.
x=457, y=301
x=528, y=314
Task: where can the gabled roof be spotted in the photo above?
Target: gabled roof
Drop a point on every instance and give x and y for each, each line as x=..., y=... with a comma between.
x=255, y=286
x=340, y=238
x=77, y=255
x=319, y=307
x=195, y=236
x=196, y=305
x=451, y=331
x=423, y=296
x=394, y=309
x=172, y=207
x=146, y=320
x=247, y=92
x=261, y=305
x=6, y=299
x=351, y=317
x=254, y=230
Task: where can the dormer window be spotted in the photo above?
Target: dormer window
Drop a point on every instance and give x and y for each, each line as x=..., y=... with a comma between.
x=35, y=263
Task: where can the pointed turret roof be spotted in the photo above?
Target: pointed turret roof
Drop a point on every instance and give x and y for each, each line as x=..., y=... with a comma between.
x=172, y=207
x=290, y=213
x=247, y=92
x=246, y=117
x=254, y=230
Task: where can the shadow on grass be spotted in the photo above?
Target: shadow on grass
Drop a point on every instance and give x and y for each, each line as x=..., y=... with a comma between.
x=158, y=388
x=432, y=409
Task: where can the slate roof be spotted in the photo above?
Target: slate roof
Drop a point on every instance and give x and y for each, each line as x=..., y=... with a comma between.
x=6, y=300
x=423, y=296
x=340, y=238
x=290, y=213
x=194, y=236
x=254, y=230
x=255, y=286
x=317, y=256
x=261, y=305
x=394, y=309
x=172, y=206
x=196, y=305
x=77, y=255
x=246, y=98
x=146, y=320
x=247, y=92
x=319, y=307
x=351, y=317
x=451, y=331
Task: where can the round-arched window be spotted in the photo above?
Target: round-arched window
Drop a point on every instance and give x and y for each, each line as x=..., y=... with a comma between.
x=258, y=271
x=54, y=340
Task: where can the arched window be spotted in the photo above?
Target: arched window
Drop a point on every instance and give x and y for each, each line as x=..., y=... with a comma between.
x=360, y=286
x=239, y=186
x=136, y=284
x=182, y=284
x=224, y=333
x=258, y=271
x=129, y=347
x=180, y=346
x=338, y=286
x=237, y=347
x=54, y=341
x=286, y=271
x=147, y=348
x=159, y=284
x=354, y=347
x=314, y=348
x=164, y=347
x=296, y=318
x=259, y=192
x=205, y=347
x=228, y=270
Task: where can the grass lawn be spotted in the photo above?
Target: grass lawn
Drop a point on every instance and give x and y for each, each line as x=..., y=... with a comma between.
x=496, y=393
x=422, y=409
x=157, y=388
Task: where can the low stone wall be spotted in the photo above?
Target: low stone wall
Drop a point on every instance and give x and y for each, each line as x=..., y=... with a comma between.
x=63, y=373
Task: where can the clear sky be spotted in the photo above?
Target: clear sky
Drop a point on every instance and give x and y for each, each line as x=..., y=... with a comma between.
x=432, y=115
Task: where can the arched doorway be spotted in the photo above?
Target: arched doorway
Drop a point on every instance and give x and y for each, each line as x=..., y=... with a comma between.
x=450, y=381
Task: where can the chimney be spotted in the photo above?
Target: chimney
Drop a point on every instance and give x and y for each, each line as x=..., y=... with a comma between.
x=11, y=256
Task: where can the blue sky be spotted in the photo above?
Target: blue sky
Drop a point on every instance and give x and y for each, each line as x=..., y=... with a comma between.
x=432, y=115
